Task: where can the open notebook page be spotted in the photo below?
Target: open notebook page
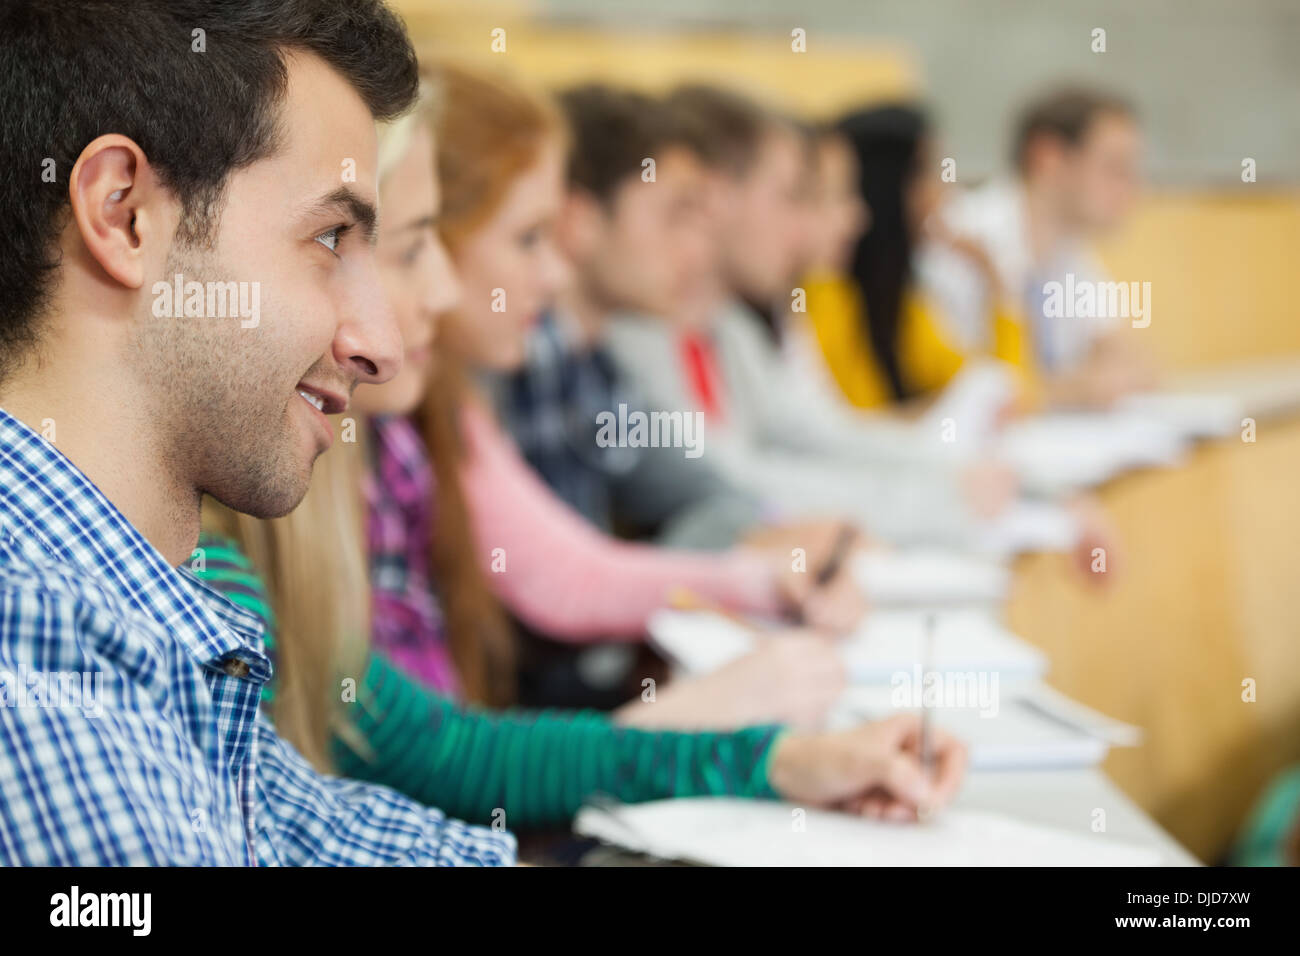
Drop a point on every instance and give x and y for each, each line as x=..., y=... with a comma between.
x=889, y=642
x=731, y=832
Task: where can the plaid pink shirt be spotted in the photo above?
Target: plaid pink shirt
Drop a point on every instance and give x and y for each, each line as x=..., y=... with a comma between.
x=406, y=621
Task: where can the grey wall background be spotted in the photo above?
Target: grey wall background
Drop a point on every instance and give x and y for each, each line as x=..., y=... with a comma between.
x=1215, y=80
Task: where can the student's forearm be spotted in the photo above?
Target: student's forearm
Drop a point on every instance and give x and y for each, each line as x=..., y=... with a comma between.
x=518, y=769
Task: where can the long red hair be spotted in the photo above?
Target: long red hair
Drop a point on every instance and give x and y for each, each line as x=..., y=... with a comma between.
x=490, y=130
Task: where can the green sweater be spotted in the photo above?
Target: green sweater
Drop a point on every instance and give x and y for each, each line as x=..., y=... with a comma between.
x=536, y=768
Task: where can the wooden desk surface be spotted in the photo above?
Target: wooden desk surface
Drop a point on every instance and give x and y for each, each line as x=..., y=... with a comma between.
x=1205, y=596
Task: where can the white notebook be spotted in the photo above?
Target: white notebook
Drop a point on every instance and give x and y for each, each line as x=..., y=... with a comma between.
x=732, y=832
x=1028, y=525
x=889, y=642
x=1190, y=414
x=1065, y=451
x=925, y=575
x=1020, y=727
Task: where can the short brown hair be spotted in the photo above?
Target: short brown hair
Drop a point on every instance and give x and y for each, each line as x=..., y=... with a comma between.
x=613, y=132
x=1066, y=114
x=726, y=127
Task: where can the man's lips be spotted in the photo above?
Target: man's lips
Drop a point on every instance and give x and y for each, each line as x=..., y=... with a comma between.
x=323, y=400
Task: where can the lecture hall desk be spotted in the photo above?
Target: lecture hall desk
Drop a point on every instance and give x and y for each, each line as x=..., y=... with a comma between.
x=1204, y=595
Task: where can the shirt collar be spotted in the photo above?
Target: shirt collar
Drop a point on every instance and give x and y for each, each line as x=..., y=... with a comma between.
x=48, y=506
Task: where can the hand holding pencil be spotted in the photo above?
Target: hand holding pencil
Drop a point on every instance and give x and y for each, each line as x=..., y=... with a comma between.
x=875, y=770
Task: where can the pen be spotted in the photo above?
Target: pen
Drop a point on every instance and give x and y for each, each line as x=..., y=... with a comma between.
x=840, y=551
x=927, y=752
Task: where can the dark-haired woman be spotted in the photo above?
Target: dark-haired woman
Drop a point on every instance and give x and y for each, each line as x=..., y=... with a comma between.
x=881, y=340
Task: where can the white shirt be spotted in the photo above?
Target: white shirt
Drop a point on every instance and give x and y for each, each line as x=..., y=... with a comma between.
x=994, y=215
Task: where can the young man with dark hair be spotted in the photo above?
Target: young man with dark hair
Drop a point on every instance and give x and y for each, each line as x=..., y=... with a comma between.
x=630, y=225
x=189, y=287
x=1076, y=157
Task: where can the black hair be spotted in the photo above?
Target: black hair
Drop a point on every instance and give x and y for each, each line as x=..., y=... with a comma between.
x=73, y=70
x=887, y=142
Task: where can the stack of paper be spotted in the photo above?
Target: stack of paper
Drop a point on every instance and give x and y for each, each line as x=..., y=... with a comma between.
x=1063, y=452
x=888, y=643
x=893, y=641
x=1028, y=525
x=730, y=832
x=1190, y=414
x=1004, y=726
x=926, y=576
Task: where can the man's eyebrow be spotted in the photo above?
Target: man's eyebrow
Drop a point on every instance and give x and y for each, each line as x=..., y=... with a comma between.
x=361, y=211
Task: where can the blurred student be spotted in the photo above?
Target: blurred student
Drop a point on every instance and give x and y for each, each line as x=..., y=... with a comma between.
x=1076, y=157
x=880, y=335
x=767, y=428
x=836, y=217
x=119, y=416
x=340, y=596
x=632, y=239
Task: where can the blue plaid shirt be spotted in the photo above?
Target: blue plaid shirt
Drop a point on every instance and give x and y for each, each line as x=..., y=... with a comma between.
x=549, y=407
x=129, y=724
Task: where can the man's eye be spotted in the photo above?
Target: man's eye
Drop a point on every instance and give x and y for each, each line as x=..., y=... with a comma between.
x=330, y=238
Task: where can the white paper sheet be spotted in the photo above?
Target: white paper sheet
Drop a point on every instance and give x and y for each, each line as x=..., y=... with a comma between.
x=731, y=832
x=1190, y=414
x=1005, y=726
x=919, y=576
x=889, y=642
x=1028, y=525
x=1063, y=452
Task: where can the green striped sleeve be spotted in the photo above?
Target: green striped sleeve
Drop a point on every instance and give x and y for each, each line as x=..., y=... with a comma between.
x=1271, y=825
x=535, y=768
x=532, y=769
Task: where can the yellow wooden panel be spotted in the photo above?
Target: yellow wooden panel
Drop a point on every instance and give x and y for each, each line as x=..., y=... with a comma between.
x=833, y=74
x=1203, y=597
x=1219, y=265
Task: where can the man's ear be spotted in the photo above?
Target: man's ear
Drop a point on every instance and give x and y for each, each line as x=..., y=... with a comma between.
x=116, y=203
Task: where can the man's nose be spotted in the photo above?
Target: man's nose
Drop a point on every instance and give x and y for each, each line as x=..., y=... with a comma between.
x=368, y=342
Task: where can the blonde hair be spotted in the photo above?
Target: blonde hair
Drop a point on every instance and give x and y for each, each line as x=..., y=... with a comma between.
x=395, y=135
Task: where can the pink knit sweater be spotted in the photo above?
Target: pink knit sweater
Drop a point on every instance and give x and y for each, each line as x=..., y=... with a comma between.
x=566, y=578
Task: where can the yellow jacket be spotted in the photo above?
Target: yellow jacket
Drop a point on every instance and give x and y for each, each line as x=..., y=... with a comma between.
x=927, y=357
